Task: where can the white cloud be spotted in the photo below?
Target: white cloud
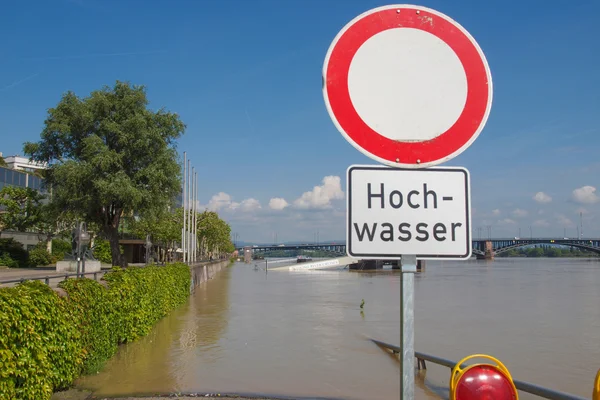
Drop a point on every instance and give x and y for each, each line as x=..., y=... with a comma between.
x=506, y=221
x=496, y=212
x=277, y=203
x=320, y=197
x=542, y=197
x=520, y=213
x=585, y=195
x=563, y=221
x=250, y=204
x=224, y=202
x=541, y=223
x=219, y=201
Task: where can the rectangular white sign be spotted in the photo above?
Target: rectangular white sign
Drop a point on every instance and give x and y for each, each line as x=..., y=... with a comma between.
x=391, y=212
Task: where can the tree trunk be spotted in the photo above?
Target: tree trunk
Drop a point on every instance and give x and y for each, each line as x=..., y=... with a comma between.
x=115, y=250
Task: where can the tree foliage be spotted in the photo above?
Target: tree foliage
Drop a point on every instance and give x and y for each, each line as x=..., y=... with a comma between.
x=22, y=208
x=214, y=234
x=3, y=162
x=110, y=156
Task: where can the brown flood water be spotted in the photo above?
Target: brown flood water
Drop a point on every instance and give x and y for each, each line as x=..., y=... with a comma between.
x=303, y=334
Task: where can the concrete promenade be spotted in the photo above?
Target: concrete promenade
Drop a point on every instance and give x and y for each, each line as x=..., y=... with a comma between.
x=37, y=273
x=201, y=272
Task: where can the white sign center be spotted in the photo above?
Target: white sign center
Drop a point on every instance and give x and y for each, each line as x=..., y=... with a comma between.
x=407, y=84
x=394, y=211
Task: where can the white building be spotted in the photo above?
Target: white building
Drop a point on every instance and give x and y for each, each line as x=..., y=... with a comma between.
x=23, y=164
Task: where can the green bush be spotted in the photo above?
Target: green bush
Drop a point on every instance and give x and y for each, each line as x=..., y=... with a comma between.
x=47, y=341
x=39, y=256
x=11, y=249
x=60, y=248
x=6, y=261
x=101, y=251
x=40, y=347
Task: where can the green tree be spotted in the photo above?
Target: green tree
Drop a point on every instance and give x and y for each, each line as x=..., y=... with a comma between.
x=164, y=226
x=110, y=156
x=54, y=222
x=214, y=234
x=3, y=162
x=22, y=208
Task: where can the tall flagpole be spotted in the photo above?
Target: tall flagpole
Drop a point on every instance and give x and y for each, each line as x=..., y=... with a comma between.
x=189, y=225
x=195, y=217
x=183, y=201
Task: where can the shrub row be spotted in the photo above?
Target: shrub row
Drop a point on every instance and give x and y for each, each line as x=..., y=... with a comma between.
x=46, y=341
x=14, y=255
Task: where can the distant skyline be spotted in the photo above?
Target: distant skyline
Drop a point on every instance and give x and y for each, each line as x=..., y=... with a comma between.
x=245, y=77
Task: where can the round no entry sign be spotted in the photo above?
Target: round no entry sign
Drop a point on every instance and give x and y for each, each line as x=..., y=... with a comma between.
x=407, y=86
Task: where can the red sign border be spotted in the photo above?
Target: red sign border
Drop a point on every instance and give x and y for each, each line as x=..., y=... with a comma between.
x=396, y=153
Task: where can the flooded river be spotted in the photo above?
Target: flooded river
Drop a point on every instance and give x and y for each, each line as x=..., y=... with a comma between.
x=303, y=333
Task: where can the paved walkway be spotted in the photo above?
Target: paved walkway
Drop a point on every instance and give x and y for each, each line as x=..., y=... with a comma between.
x=30, y=273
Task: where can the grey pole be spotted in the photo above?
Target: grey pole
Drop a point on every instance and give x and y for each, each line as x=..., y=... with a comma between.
x=191, y=226
x=184, y=202
x=190, y=188
x=407, y=325
x=193, y=219
x=77, y=237
x=195, y=216
x=196, y=223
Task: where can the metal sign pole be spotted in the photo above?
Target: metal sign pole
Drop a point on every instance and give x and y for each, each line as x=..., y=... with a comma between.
x=78, y=241
x=408, y=265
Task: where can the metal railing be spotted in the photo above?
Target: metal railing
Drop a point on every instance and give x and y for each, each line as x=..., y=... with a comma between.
x=47, y=278
x=526, y=387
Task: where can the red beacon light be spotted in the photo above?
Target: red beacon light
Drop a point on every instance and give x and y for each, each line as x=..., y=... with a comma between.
x=482, y=381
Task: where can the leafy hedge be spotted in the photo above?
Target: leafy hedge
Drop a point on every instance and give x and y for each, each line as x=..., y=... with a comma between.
x=39, y=256
x=46, y=341
x=102, y=251
x=13, y=254
x=60, y=248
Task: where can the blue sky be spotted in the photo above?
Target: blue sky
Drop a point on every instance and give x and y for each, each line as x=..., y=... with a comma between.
x=245, y=76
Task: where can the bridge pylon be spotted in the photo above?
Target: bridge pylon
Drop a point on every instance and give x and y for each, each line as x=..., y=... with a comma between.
x=247, y=254
x=489, y=252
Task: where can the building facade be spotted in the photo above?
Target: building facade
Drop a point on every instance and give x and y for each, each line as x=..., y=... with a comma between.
x=19, y=163
x=19, y=173
x=11, y=177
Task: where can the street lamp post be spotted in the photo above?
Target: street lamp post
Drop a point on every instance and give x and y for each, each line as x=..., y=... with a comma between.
x=81, y=239
x=148, y=248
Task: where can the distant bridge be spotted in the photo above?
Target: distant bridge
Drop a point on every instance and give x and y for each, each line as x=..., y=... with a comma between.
x=482, y=248
x=491, y=247
x=334, y=249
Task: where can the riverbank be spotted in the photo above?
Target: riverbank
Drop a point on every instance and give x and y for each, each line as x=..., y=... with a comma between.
x=104, y=319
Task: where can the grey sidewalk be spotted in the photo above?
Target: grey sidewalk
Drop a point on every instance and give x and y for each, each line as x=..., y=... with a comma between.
x=30, y=273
